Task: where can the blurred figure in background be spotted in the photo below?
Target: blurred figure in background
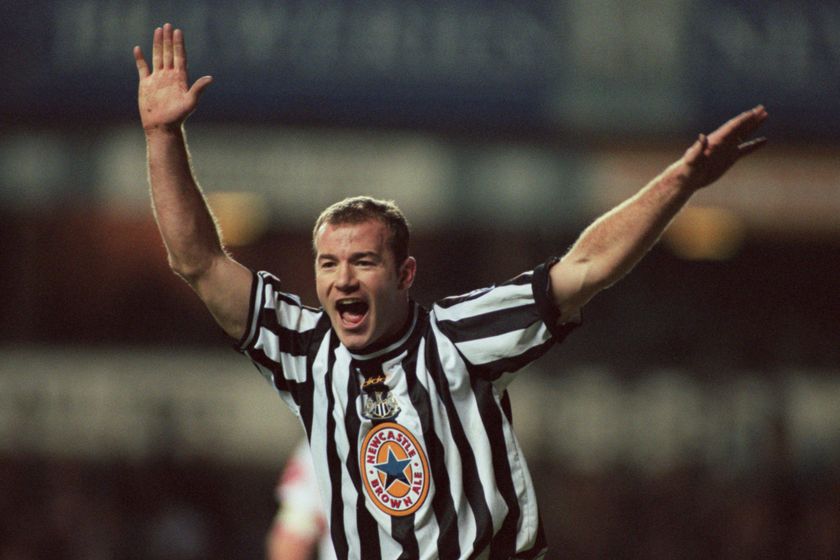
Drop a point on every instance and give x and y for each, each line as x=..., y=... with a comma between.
x=299, y=530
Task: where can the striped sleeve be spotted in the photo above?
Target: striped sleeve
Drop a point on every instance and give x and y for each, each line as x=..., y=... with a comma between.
x=502, y=328
x=279, y=333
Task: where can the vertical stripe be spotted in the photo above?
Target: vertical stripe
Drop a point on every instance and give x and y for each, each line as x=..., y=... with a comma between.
x=337, y=531
x=402, y=529
x=442, y=502
x=504, y=542
x=366, y=525
x=473, y=487
x=307, y=391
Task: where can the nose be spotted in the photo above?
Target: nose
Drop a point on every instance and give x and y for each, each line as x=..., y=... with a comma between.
x=345, y=280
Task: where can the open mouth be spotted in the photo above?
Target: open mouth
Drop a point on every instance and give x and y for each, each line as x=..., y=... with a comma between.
x=351, y=311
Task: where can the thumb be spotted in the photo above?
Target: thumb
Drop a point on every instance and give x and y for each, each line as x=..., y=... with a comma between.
x=200, y=85
x=697, y=151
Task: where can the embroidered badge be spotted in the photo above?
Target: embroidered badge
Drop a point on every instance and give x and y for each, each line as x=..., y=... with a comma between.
x=394, y=469
x=380, y=405
x=377, y=401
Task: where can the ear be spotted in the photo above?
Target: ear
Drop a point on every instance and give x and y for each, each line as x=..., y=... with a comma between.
x=407, y=272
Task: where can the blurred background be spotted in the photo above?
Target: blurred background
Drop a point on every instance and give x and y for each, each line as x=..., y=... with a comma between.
x=696, y=414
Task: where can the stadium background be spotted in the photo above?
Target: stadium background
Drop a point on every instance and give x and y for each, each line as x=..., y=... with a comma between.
x=695, y=415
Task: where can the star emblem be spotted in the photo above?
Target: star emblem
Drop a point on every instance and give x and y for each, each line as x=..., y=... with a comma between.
x=393, y=469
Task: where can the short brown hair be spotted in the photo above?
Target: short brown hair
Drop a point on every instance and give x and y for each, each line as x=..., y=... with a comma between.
x=359, y=209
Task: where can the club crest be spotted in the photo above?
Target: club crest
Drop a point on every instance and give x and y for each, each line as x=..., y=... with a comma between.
x=394, y=469
x=380, y=405
x=377, y=401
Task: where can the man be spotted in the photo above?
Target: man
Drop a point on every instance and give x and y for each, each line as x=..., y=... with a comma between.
x=404, y=409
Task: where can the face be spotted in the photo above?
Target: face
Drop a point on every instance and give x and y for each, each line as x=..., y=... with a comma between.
x=359, y=285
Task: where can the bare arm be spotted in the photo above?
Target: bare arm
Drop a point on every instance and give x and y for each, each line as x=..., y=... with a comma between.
x=612, y=245
x=192, y=240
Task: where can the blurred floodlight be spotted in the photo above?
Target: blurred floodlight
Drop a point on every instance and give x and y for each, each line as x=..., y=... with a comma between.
x=705, y=233
x=242, y=216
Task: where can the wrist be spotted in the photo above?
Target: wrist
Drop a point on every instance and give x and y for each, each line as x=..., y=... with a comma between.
x=678, y=176
x=163, y=130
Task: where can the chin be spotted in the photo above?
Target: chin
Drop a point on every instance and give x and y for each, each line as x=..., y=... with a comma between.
x=354, y=342
x=355, y=339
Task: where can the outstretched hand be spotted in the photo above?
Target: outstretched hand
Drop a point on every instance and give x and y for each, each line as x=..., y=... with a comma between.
x=165, y=100
x=711, y=156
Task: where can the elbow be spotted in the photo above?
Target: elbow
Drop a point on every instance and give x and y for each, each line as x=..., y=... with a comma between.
x=576, y=282
x=190, y=270
x=595, y=281
x=591, y=276
x=596, y=274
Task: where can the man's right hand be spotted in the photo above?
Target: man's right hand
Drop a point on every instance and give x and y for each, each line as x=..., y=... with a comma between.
x=164, y=98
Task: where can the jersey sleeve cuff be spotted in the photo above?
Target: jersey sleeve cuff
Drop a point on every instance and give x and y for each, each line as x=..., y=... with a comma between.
x=254, y=304
x=548, y=310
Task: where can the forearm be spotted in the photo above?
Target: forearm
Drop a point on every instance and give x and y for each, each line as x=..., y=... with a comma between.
x=186, y=224
x=615, y=242
x=612, y=245
x=192, y=240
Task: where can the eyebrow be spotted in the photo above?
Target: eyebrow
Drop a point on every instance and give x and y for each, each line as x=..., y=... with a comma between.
x=353, y=257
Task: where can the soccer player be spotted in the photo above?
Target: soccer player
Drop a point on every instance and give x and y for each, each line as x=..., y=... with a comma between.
x=404, y=408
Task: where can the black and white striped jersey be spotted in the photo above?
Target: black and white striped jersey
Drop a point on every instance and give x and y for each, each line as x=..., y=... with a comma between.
x=413, y=444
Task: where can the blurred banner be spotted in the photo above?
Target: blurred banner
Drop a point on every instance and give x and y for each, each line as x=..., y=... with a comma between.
x=646, y=68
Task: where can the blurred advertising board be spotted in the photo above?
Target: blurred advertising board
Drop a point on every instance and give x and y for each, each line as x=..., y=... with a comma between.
x=648, y=68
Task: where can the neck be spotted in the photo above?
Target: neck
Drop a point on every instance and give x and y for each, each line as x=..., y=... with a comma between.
x=394, y=335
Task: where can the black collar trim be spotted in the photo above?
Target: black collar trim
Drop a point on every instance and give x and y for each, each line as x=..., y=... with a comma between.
x=397, y=344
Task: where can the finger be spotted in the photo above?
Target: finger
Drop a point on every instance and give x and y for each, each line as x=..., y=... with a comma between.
x=157, y=49
x=742, y=125
x=749, y=147
x=752, y=121
x=732, y=127
x=167, y=46
x=179, y=50
x=200, y=85
x=142, y=67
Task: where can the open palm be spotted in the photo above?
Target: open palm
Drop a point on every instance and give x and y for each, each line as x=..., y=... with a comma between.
x=164, y=97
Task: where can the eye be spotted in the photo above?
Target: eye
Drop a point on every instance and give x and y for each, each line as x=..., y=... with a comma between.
x=327, y=265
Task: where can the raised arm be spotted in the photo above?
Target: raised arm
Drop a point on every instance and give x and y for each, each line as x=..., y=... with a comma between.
x=610, y=247
x=192, y=239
